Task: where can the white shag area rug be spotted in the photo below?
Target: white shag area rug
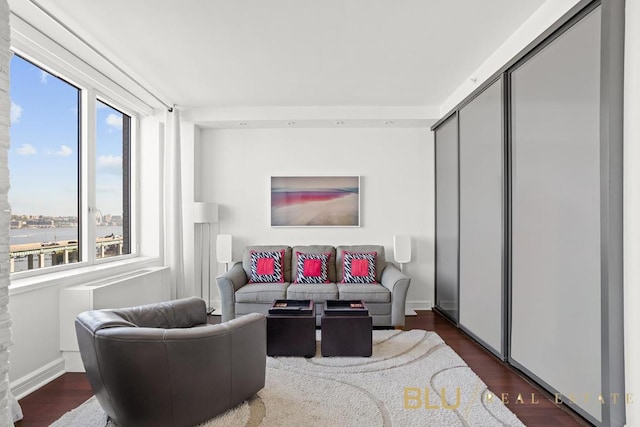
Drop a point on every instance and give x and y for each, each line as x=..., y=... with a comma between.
x=412, y=379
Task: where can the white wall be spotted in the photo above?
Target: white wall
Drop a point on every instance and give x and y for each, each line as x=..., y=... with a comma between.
x=149, y=154
x=5, y=108
x=233, y=168
x=536, y=24
x=36, y=331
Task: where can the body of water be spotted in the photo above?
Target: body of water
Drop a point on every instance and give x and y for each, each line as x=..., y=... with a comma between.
x=20, y=236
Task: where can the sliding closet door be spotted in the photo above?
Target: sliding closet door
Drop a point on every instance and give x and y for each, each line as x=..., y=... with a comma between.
x=481, y=217
x=556, y=245
x=446, y=155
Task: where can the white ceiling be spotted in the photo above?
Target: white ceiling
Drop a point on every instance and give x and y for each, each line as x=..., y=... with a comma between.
x=257, y=53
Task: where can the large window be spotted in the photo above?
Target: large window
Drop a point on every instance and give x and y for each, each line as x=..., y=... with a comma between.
x=53, y=183
x=43, y=163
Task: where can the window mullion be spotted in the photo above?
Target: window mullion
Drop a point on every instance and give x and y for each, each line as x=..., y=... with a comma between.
x=134, y=190
x=88, y=169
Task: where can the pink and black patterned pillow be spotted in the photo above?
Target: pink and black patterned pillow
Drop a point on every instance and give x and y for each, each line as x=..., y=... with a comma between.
x=359, y=267
x=267, y=267
x=312, y=268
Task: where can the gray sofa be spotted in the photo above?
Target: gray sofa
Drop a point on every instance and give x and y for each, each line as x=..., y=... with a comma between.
x=163, y=365
x=385, y=299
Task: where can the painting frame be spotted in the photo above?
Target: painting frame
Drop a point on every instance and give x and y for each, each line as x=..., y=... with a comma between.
x=315, y=201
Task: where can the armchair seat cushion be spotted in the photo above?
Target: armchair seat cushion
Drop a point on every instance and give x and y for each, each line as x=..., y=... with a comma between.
x=370, y=292
x=318, y=292
x=262, y=292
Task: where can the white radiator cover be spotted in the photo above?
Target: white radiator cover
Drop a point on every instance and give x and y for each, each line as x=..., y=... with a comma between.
x=143, y=286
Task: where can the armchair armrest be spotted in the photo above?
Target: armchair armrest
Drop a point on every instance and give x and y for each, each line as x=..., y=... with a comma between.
x=228, y=284
x=248, y=355
x=398, y=283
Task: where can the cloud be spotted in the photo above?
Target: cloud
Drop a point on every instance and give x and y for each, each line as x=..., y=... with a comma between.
x=110, y=163
x=64, y=151
x=15, y=113
x=43, y=77
x=26, y=150
x=114, y=120
x=109, y=189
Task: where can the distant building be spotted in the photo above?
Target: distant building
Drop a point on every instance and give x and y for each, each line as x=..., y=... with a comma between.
x=40, y=222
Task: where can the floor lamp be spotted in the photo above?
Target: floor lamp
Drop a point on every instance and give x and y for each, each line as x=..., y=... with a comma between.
x=224, y=250
x=205, y=213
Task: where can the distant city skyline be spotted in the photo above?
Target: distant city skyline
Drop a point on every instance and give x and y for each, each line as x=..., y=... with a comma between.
x=43, y=157
x=17, y=215
x=43, y=221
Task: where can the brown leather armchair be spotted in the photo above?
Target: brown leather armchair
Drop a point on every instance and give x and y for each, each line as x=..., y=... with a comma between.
x=163, y=365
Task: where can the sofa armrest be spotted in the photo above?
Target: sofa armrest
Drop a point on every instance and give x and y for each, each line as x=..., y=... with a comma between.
x=398, y=283
x=228, y=284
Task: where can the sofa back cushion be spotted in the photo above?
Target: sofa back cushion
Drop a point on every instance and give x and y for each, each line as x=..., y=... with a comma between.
x=380, y=259
x=314, y=249
x=246, y=258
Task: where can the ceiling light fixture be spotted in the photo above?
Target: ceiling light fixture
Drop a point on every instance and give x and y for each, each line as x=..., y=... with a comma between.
x=339, y=122
x=388, y=122
x=291, y=123
x=242, y=123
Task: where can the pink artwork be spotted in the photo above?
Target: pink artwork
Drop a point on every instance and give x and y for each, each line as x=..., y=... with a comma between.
x=315, y=201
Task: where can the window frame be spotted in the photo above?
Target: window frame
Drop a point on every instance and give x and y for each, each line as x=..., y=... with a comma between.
x=134, y=137
x=89, y=95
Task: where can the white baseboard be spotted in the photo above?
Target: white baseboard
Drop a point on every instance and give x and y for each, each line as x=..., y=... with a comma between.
x=418, y=305
x=35, y=380
x=72, y=361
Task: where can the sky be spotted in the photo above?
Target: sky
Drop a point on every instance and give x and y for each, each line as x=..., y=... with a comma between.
x=43, y=157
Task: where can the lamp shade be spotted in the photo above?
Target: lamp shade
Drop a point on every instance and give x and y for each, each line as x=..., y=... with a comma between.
x=402, y=248
x=205, y=213
x=224, y=248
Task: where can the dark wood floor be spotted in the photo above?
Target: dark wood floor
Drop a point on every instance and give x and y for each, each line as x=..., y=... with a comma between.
x=499, y=376
x=49, y=403
x=52, y=401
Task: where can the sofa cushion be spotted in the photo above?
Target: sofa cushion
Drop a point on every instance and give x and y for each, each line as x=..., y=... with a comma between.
x=380, y=259
x=266, y=266
x=365, y=292
x=316, y=249
x=311, y=268
x=286, y=264
x=261, y=292
x=318, y=292
x=359, y=267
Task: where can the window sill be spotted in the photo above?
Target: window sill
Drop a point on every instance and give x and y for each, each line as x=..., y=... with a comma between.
x=80, y=275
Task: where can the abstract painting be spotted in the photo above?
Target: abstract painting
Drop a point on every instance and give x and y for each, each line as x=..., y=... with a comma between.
x=315, y=201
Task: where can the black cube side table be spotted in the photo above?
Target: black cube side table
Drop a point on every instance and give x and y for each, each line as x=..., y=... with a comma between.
x=291, y=328
x=346, y=329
